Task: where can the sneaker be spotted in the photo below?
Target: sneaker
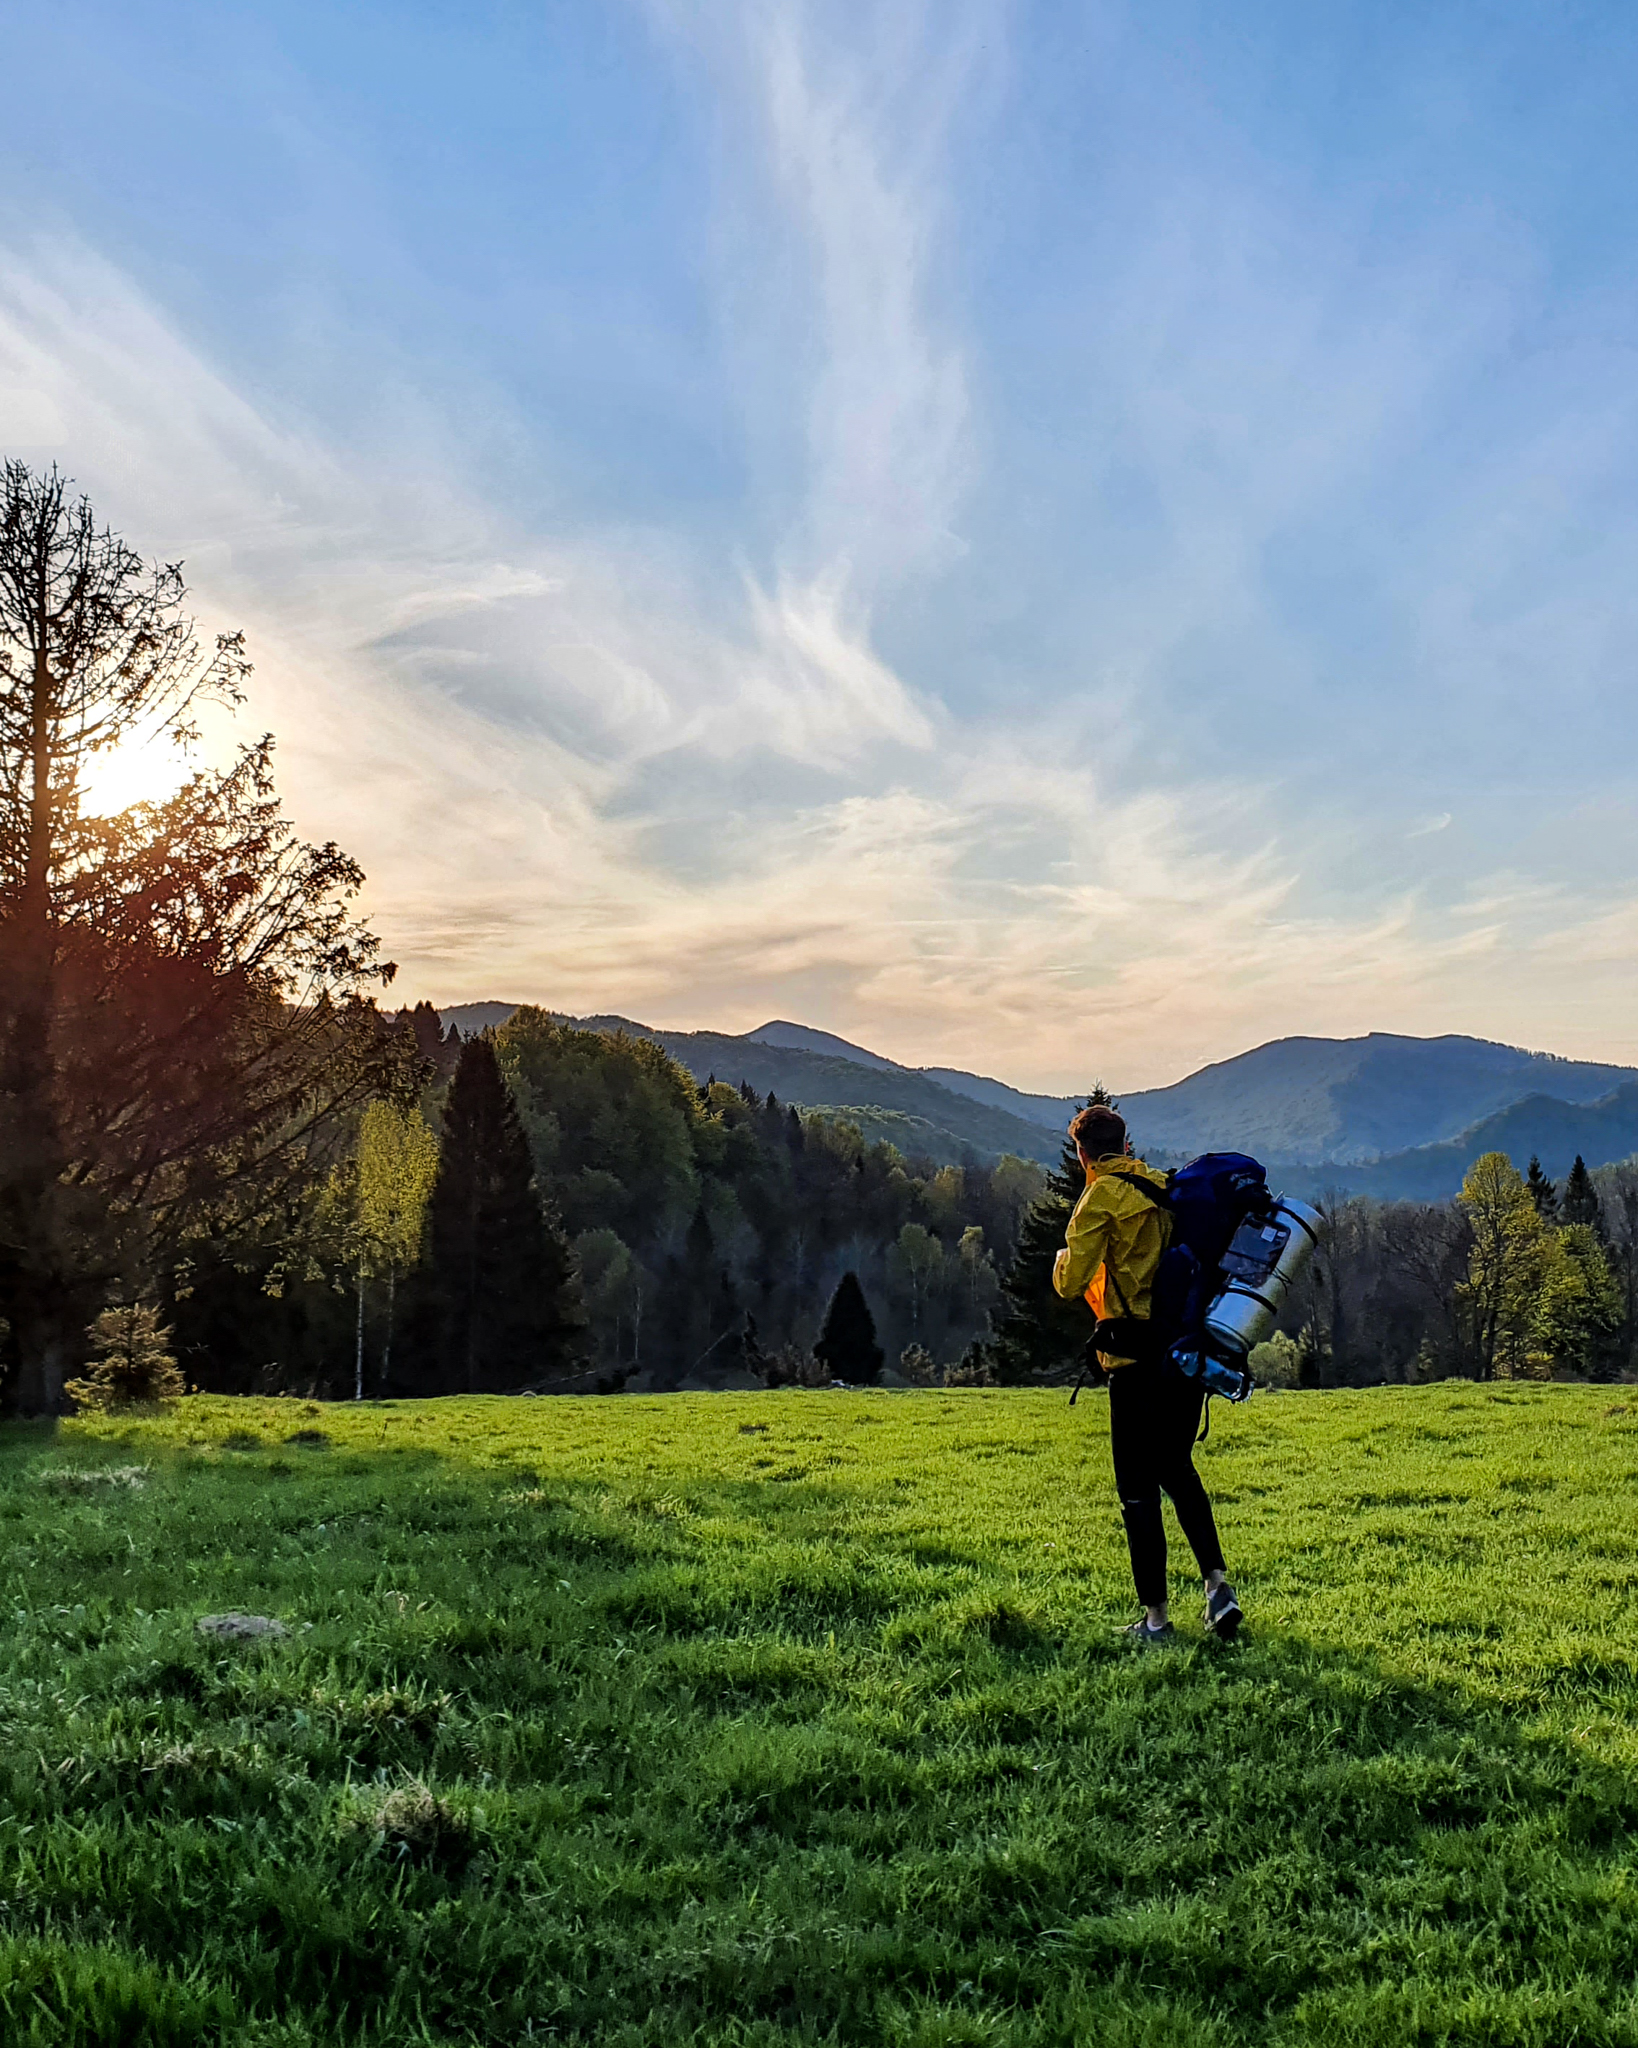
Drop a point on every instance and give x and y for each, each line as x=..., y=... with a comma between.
x=1148, y=1638
x=1222, y=1613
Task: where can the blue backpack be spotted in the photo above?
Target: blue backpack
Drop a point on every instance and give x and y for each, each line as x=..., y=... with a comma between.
x=1207, y=1201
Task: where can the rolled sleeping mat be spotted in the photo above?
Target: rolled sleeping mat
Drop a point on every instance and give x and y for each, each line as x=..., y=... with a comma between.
x=1268, y=1256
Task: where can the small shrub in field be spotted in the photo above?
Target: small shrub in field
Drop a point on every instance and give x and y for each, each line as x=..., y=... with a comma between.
x=972, y=1370
x=917, y=1365
x=1277, y=1363
x=131, y=1367
x=791, y=1366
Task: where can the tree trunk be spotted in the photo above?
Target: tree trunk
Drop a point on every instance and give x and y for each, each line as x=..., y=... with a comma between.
x=358, y=1364
x=41, y=1352
x=36, y=1292
x=386, y=1348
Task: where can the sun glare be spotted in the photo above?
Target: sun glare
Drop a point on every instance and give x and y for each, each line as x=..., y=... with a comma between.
x=145, y=772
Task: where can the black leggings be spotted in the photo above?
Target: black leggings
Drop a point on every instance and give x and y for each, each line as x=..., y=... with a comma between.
x=1154, y=1415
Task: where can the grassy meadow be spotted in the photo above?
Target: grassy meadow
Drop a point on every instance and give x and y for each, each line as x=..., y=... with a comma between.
x=804, y=1717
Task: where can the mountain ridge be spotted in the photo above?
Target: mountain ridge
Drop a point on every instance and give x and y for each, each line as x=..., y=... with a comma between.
x=1381, y=1113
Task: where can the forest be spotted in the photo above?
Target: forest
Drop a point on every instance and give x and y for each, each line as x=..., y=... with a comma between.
x=226, y=1163
x=687, y=1233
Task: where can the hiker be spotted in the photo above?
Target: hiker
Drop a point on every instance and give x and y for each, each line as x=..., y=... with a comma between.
x=1115, y=1238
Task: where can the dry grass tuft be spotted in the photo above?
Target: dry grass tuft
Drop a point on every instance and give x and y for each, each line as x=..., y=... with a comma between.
x=412, y=1823
x=74, y=1478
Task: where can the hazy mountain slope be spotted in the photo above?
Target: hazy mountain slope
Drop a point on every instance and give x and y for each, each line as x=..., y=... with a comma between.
x=817, y=1079
x=471, y=1018
x=1052, y=1112
x=1555, y=1131
x=915, y=1137
x=1317, y=1100
x=804, y=1038
x=913, y=1109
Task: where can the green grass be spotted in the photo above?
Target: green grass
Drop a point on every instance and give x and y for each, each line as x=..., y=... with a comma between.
x=803, y=1717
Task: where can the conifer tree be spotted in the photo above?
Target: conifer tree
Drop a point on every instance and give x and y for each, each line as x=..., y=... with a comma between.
x=506, y=1285
x=1542, y=1191
x=847, y=1346
x=184, y=1030
x=132, y=1367
x=428, y=1029
x=1580, y=1203
x=1036, y=1333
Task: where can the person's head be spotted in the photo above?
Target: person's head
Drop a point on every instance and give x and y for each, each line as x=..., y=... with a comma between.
x=1098, y=1131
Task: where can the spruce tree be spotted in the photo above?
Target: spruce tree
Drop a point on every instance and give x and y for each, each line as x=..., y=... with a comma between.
x=847, y=1346
x=504, y=1278
x=133, y=1366
x=428, y=1028
x=1036, y=1334
x=1542, y=1191
x=1580, y=1203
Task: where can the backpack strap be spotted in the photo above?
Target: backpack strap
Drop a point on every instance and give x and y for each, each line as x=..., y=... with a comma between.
x=1161, y=1197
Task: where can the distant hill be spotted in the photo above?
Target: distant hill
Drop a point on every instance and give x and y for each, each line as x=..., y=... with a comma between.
x=1602, y=1132
x=914, y=1136
x=1313, y=1101
x=820, y=1079
x=471, y=1018
x=1051, y=1112
x=803, y=1038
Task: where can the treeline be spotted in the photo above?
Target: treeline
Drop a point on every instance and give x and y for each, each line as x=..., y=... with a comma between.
x=684, y=1234
x=1514, y=1279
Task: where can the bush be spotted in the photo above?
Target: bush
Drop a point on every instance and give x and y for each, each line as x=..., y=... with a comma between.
x=131, y=1367
x=916, y=1364
x=974, y=1369
x=1278, y=1363
x=791, y=1366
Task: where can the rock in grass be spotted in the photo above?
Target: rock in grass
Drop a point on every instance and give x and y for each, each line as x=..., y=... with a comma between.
x=240, y=1628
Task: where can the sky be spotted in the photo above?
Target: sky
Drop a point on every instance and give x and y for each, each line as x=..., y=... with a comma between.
x=1067, y=540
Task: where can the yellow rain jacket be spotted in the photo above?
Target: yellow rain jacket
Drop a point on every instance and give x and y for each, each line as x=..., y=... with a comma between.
x=1114, y=1243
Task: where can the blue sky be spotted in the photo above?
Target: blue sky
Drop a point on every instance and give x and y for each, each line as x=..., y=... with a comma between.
x=1060, y=539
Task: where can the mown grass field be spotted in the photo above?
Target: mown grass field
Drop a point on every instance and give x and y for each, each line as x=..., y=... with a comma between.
x=803, y=1717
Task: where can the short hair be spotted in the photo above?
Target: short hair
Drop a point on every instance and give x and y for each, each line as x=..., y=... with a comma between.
x=1098, y=1130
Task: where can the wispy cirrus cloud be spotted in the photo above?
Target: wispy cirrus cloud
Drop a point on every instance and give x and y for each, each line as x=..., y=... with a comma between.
x=597, y=763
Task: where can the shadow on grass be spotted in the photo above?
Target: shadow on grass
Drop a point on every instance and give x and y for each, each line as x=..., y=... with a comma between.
x=733, y=1771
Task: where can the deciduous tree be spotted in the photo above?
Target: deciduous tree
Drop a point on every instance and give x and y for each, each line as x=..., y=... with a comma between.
x=1579, y=1309
x=1506, y=1265
x=397, y=1163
